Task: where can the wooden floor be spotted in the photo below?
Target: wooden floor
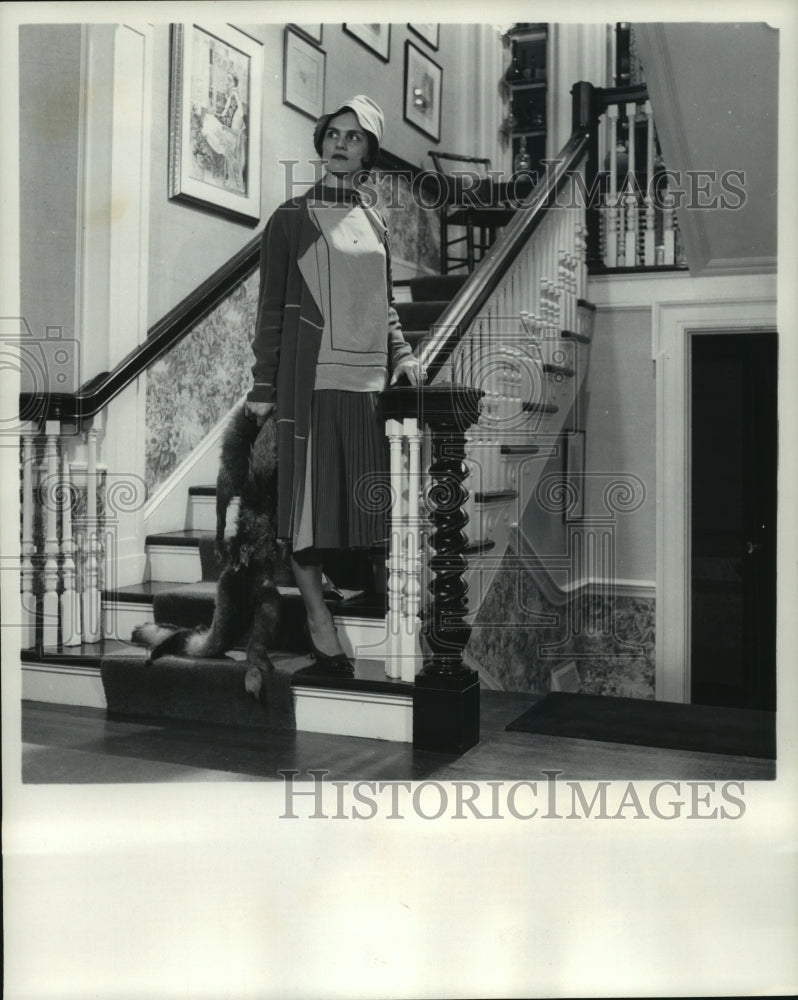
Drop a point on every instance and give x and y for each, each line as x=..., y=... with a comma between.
x=71, y=745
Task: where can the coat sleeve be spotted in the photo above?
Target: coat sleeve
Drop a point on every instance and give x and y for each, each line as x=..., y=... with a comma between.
x=274, y=260
x=398, y=347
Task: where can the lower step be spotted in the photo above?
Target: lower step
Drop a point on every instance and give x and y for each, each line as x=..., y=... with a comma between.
x=119, y=679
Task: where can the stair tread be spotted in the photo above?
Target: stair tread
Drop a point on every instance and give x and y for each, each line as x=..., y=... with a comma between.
x=419, y=315
x=202, y=491
x=533, y=407
x=187, y=537
x=580, y=338
x=495, y=496
x=432, y=287
x=519, y=449
x=565, y=370
x=369, y=676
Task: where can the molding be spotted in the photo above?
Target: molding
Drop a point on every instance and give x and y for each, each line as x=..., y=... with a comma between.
x=646, y=291
x=559, y=595
x=673, y=323
x=354, y=713
x=740, y=265
x=61, y=684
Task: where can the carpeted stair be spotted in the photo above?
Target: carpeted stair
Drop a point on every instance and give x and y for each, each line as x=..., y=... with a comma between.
x=430, y=296
x=213, y=690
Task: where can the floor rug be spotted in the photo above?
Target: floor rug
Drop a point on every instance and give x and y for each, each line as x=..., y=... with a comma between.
x=702, y=728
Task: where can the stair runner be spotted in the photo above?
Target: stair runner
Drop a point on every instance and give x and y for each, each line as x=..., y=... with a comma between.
x=212, y=690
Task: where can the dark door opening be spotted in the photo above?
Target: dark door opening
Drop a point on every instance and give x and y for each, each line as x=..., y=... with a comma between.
x=733, y=505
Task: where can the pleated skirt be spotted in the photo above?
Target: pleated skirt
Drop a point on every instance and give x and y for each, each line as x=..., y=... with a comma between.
x=350, y=470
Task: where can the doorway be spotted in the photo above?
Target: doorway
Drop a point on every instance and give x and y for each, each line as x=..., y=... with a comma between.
x=734, y=458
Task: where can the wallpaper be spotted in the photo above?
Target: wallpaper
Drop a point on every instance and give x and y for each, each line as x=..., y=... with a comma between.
x=414, y=230
x=192, y=387
x=519, y=635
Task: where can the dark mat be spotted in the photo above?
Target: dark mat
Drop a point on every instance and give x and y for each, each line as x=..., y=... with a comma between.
x=706, y=729
x=209, y=690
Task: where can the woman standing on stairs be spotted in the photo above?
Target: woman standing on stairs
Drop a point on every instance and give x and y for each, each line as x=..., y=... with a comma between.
x=326, y=342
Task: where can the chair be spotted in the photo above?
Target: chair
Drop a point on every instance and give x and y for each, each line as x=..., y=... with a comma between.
x=476, y=208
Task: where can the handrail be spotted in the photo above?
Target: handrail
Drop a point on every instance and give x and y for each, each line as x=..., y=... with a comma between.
x=482, y=282
x=91, y=397
x=96, y=393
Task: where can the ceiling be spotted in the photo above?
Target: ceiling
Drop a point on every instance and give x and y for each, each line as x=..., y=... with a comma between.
x=714, y=93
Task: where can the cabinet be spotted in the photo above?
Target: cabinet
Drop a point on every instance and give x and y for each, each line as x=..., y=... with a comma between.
x=525, y=86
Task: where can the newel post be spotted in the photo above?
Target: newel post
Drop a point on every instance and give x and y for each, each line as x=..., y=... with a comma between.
x=446, y=692
x=585, y=115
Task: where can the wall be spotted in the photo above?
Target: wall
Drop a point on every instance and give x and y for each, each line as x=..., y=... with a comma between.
x=188, y=244
x=50, y=64
x=620, y=431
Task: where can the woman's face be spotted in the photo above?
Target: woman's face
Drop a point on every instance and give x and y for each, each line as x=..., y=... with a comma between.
x=345, y=145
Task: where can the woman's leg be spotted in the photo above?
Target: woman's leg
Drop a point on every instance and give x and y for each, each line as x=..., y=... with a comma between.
x=307, y=573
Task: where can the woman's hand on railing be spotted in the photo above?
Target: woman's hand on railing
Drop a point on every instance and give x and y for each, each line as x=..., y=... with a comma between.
x=258, y=411
x=411, y=369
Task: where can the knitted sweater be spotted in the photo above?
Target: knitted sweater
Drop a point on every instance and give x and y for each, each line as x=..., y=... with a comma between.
x=287, y=339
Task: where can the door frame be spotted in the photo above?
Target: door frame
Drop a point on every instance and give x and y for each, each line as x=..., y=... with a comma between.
x=673, y=325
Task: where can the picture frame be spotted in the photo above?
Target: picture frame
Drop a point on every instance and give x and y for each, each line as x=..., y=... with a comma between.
x=423, y=83
x=311, y=31
x=375, y=37
x=304, y=67
x=215, y=94
x=430, y=33
x=575, y=474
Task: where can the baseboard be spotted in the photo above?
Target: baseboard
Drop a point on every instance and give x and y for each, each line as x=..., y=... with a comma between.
x=354, y=713
x=63, y=684
x=557, y=594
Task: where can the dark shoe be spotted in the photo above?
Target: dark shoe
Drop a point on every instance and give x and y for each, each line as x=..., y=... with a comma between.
x=339, y=664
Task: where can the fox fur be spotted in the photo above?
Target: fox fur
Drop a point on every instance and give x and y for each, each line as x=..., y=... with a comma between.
x=246, y=593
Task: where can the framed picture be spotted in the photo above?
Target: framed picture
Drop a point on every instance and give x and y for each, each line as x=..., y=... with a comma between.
x=423, y=78
x=575, y=473
x=376, y=37
x=311, y=31
x=430, y=33
x=215, y=94
x=303, y=74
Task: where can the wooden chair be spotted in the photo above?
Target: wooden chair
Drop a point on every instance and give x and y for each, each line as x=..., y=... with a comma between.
x=475, y=208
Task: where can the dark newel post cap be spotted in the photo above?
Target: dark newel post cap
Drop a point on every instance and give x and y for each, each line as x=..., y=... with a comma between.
x=582, y=110
x=444, y=405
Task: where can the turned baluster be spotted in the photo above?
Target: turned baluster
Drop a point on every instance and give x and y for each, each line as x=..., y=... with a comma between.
x=411, y=650
x=630, y=255
x=611, y=224
x=70, y=605
x=394, y=430
x=90, y=597
x=28, y=547
x=649, y=245
x=50, y=598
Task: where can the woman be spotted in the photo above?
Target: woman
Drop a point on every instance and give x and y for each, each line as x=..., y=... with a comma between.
x=326, y=343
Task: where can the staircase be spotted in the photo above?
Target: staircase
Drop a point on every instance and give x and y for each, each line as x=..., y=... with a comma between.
x=506, y=352
x=181, y=588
